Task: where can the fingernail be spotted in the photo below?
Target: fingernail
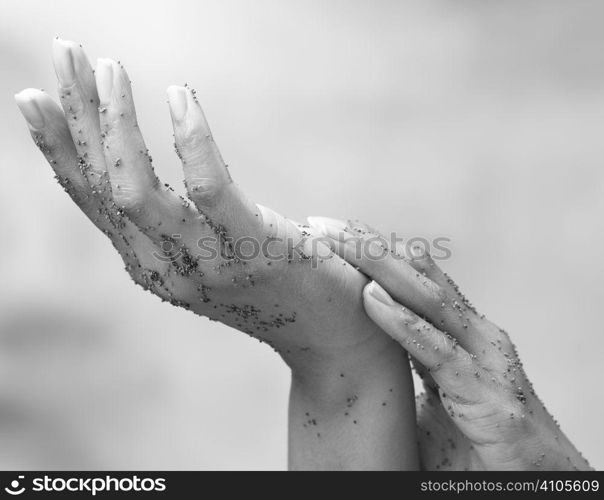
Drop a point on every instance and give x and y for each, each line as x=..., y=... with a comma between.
x=379, y=294
x=333, y=228
x=177, y=99
x=104, y=80
x=409, y=317
x=29, y=108
x=63, y=61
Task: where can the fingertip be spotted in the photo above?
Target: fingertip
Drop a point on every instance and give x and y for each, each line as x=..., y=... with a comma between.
x=62, y=58
x=105, y=61
x=33, y=103
x=191, y=94
x=69, y=60
x=316, y=222
x=104, y=76
x=175, y=88
x=374, y=292
x=188, y=118
x=177, y=101
x=59, y=43
x=381, y=309
x=27, y=95
x=327, y=226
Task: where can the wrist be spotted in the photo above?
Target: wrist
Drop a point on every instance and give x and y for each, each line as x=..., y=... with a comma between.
x=331, y=379
x=324, y=367
x=353, y=412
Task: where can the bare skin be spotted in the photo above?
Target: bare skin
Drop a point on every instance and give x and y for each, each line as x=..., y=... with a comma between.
x=479, y=410
x=307, y=308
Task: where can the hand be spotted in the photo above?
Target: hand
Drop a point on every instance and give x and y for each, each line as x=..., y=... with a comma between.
x=199, y=255
x=479, y=411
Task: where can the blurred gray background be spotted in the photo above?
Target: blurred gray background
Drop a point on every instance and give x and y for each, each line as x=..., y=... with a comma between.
x=476, y=120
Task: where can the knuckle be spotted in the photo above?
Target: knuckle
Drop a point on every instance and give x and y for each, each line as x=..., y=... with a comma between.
x=449, y=355
x=446, y=363
x=436, y=368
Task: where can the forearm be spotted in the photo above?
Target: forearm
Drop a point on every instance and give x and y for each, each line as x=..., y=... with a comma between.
x=354, y=415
